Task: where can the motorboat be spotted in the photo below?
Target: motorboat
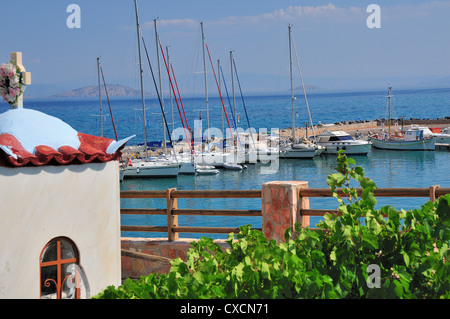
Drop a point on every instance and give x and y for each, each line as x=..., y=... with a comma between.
x=441, y=138
x=334, y=141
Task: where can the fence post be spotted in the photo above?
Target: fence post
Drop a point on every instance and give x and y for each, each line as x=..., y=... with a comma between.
x=281, y=206
x=433, y=192
x=172, y=220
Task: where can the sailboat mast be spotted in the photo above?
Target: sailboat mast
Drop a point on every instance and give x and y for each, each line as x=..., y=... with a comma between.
x=303, y=87
x=206, y=83
x=292, y=85
x=160, y=86
x=100, y=97
x=170, y=92
x=142, y=80
x=221, y=111
x=389, y=105
x=232, y=88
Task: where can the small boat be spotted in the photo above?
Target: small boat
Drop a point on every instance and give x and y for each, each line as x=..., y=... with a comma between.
x=334, y=141
x=298, y=150
x=232, y=166
x=206, y=171
x=441, y=138
x=410, y=140
x=444, y=136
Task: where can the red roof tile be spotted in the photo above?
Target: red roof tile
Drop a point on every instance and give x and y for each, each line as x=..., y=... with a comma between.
x=25, y=133
x=92, y=149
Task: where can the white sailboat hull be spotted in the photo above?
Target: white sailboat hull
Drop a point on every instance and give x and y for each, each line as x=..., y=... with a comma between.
x=218, y=159
x=420, y=145
x=261, y=155
x=298, y=152
x=151, y=169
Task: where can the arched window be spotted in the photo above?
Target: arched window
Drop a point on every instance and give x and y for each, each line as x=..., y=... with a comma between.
x=59, y=265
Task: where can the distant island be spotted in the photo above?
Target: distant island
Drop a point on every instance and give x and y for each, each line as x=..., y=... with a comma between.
x=114, y=90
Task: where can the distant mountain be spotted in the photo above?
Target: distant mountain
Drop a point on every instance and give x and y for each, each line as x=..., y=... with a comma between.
x=114, y=90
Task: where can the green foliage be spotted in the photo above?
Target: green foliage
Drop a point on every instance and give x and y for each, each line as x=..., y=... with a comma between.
x=409, y=248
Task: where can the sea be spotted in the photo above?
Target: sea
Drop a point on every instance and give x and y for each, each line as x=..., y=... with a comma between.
x=124, y=117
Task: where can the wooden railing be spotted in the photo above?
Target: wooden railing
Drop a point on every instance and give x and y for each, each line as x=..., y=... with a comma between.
x=172, y=211
x=432, y=192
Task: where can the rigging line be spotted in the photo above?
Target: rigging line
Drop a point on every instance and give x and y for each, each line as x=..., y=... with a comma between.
x=110, y=111
x=243, y=102
x=159, y=98
x=176, y=99
x=303, y=86
x=182, y=106
x=179, y=96
x=220, y=94
x=229, y=103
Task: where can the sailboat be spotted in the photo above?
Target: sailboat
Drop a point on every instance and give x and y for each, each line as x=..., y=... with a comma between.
x=255, y=149
x=295, y=148
x=141, y=168
x=100, y=73
x=209, y=157
x=410, y=140
x=186, y=163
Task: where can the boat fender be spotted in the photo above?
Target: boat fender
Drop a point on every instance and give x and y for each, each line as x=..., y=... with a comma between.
x=344, y=148
x=137, y=170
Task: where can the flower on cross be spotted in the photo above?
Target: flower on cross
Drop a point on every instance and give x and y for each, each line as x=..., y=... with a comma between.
x=11, y=85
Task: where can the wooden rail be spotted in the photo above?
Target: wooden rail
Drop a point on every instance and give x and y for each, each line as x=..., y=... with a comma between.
x=172, y=211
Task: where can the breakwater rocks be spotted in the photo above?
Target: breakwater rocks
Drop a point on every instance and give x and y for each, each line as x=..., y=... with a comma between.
x=428, y=122
x=363, y=126
x=341, y=126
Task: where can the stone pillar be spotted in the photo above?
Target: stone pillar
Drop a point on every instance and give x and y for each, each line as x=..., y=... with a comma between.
x=281, y=208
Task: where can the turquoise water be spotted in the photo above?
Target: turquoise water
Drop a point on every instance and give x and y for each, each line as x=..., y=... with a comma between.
x=386, y=168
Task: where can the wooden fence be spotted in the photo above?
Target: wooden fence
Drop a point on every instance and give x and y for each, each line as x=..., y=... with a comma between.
x=172, y=211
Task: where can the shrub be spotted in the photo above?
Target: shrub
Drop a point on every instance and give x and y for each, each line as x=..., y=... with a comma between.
x=362, y=252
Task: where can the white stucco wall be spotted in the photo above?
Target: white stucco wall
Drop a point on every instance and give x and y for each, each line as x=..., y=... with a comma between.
x=37, y=204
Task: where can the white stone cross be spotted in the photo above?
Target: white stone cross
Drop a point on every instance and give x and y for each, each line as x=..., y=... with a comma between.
x=16, y=59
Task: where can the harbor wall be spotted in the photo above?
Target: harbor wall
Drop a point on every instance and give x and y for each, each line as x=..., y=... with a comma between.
x=280, y=207
x=351, y=127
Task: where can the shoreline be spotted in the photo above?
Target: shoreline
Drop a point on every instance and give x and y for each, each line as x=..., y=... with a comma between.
x=363, y=127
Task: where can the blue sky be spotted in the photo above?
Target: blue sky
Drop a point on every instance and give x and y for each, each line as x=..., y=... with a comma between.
x=337, y=50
